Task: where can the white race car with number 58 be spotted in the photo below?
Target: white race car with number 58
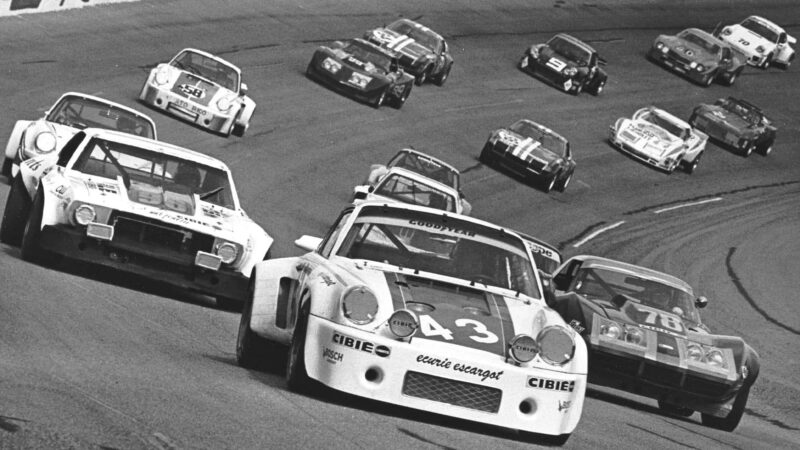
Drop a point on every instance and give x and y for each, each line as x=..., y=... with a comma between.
x=420, y=308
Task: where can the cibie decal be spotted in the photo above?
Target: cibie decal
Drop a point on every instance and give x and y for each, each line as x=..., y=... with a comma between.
x=483, y=374
x=357, y=344
x=551, y=385
x=332, y=356
x=564, y=405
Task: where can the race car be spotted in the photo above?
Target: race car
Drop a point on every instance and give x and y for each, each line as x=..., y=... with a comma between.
x=567, y=63
x=363, y=71
x=71, y=113
x=423, y=52
x=762, y=41
x=202, y=89
x=423, y=164
x=140, y=206
x=533, y=152
x=547, y=258
x=422, y=309
x=698, y=56
x=659, y=139
x=402, y=185
x=736, y=124
x=644, y=335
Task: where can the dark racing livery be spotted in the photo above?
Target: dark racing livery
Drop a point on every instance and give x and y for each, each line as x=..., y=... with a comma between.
x=698, y=56
x=363, y=71
x=423, y=52
x=736, y=124
x=567, y=63
x=644, y=335
x=533, y=152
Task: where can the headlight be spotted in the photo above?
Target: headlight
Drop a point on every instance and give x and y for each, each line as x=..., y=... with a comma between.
x=522, y=348
x=227, y=252
x=162, y=76
x=659, y=45
x=635, y=335
x=556, y=345
x=534, y=51
x=664, y=49
x=700, y=68
x=331, y=65
x=726, y=31
x=760, y=49
x=84, y=214
x=403, y=323
x=611, y=330
x=359, y=305
x=715, y=358
x=694, y=352
x=359, y=80
x=570, y=71
x=45, y=142
x=692, y=64
x=224, y=104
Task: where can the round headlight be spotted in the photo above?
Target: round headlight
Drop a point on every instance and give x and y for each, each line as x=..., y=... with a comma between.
x=359, y=305
x=224, y=104
x=162, y=76
x=659, y=45
x=700, y=67
x=403, y=323
x=610, y=330
x=715, y=358
x=570, y=71
x=692, y=64
x=726, y=31
x=45, y=142
x=664, y=49
x=556, y=345
x=522, y=348
x=227, y=252
x=84, y=214
x=694, y=352
x=634, y=335
x=760, y=49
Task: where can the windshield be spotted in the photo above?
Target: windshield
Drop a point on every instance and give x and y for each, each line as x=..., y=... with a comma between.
x=664, y=123
x=569, y=50
x=760, y=29
x=78, y=112
x=208, y=68
x=364, y=53
x=748, y=114
x=441, y=245
x=421, y=35
x=547, y=138
x=604, y=284
x=426, y=166
x=700, y=41
x=407, y=190
x=154, y=178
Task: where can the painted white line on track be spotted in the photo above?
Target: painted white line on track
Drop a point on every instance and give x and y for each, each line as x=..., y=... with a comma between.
x=464, y=108
x=593, y=235
x=684, y=205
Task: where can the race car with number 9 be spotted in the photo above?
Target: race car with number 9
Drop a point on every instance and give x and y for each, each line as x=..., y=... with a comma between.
x=428, y=310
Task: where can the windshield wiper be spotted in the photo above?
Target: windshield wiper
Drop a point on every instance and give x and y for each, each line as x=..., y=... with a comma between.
x=210, y=193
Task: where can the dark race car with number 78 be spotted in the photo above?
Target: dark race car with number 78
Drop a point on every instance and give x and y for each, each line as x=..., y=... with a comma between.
x=644, y=334
x=736, y=124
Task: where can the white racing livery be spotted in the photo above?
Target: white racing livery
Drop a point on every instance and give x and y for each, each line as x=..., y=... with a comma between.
x=203, y=89
x=761, y=40
x=659, y=139
x=398, y=184
x=140, y=206
x=423, y=309
x=71, y=113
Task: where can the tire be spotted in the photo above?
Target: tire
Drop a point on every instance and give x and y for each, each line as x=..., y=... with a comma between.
x=709, y=79
x=379, y=100
x=29, y=248
x=578, y=89
x=400, y=101
x=767, y=62
x=296, y=376
x=6, y=169
x=766, y=150
x=439, y=80
x=253, y=351
x=229, y=303
x=731, y=77
x=238, y=130
x=420, y=79
x=549, y=183
x=18, y=208
x=598, y=89
x=748, y=150
x=692, y=166
x=674, y=410
x=485, y=156
x=731, y=421
x=562, y=185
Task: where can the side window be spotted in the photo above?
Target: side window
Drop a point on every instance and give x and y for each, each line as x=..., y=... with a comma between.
x=782, y=39
x=726, y=53
x=333, y=234
x=566, y=276
x=69, y=149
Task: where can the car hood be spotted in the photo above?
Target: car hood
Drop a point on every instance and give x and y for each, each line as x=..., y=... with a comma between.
x=62, y=132
x=689, y=50
x=747, y=41
x=555, y=61
x=648, y=138
x=194, y=88
x=725, y=117
x=525, y=148
x=400, y=43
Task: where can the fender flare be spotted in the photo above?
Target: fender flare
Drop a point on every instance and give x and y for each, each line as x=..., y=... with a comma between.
x=266, y=278
x=246, y=113
x=13, y=140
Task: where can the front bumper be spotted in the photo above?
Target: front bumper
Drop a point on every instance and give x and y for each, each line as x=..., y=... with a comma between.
x=204, y=116
x=557, y=79
x=384, y=369
x=73, y=243
x=343, y=87
x=676, y=63
x=664, y=165
x=501, y=155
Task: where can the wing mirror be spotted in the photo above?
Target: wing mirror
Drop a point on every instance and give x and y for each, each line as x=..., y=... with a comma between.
x=561, y=281
x=243, y=89
x=361, y=192
x=701, y=302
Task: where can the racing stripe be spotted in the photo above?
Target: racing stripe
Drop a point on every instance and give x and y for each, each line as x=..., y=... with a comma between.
x=506, y=321
x=526, y=154
x=398, y=288
x=521, y=146
x=392, y=43
x=403, y=44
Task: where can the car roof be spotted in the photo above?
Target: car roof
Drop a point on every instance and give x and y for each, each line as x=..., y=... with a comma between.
x=418, y=25
x=577, y=42
x=212, y=56
x=766, y=22
x=422, y=179
x=672, y=118
x=425, y=155
x=590, y=261
x=707, y=35
x=539, y=126
x=108, y=102
x=156, y=146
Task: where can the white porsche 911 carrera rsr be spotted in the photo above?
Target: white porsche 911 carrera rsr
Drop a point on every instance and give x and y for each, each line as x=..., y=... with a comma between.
x=761, y=40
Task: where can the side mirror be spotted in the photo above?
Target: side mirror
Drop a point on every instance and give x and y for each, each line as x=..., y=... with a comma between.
x=701, y=302
x=561, y=281
x=308, y=243
x=361, y=192
x=243, y=89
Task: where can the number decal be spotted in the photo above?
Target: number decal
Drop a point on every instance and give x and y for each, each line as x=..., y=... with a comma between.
x=430, y=327
x=192, y=91
x=484, y=336
x=669, y=322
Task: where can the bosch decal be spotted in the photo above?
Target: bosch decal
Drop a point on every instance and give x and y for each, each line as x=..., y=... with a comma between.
x=551, y=385
x=332, y=356
x=357, y=344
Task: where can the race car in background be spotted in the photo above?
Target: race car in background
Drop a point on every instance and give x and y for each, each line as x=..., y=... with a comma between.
x=363, y=71
x=736, y=124
x=533, y=152
x=422, y=309
x=698, y=56
x=567, y=63
x=423, y=52
x=644, y=334
x=140, y=206
x=71, y=113
x=202, y=89
x=659, y=139
x=425, y=165
x=547, y=258
x=401, y=185
x=761, y=40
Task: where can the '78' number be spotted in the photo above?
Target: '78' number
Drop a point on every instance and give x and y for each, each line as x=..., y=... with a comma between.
x=430, y=327
x=669, y=322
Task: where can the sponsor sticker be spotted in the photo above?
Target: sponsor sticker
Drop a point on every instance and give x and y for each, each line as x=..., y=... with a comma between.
x=551, y=385
x=440, y=227
x=576, y=325
x=332, y=356
x=358, y=344
x=564, y=405
x=483, y=374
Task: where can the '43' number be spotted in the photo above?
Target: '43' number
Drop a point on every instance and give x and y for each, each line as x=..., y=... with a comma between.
x=430, y=327
x=668, y=322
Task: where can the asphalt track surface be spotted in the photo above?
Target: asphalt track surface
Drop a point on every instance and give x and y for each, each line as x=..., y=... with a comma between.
x=93, y=359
